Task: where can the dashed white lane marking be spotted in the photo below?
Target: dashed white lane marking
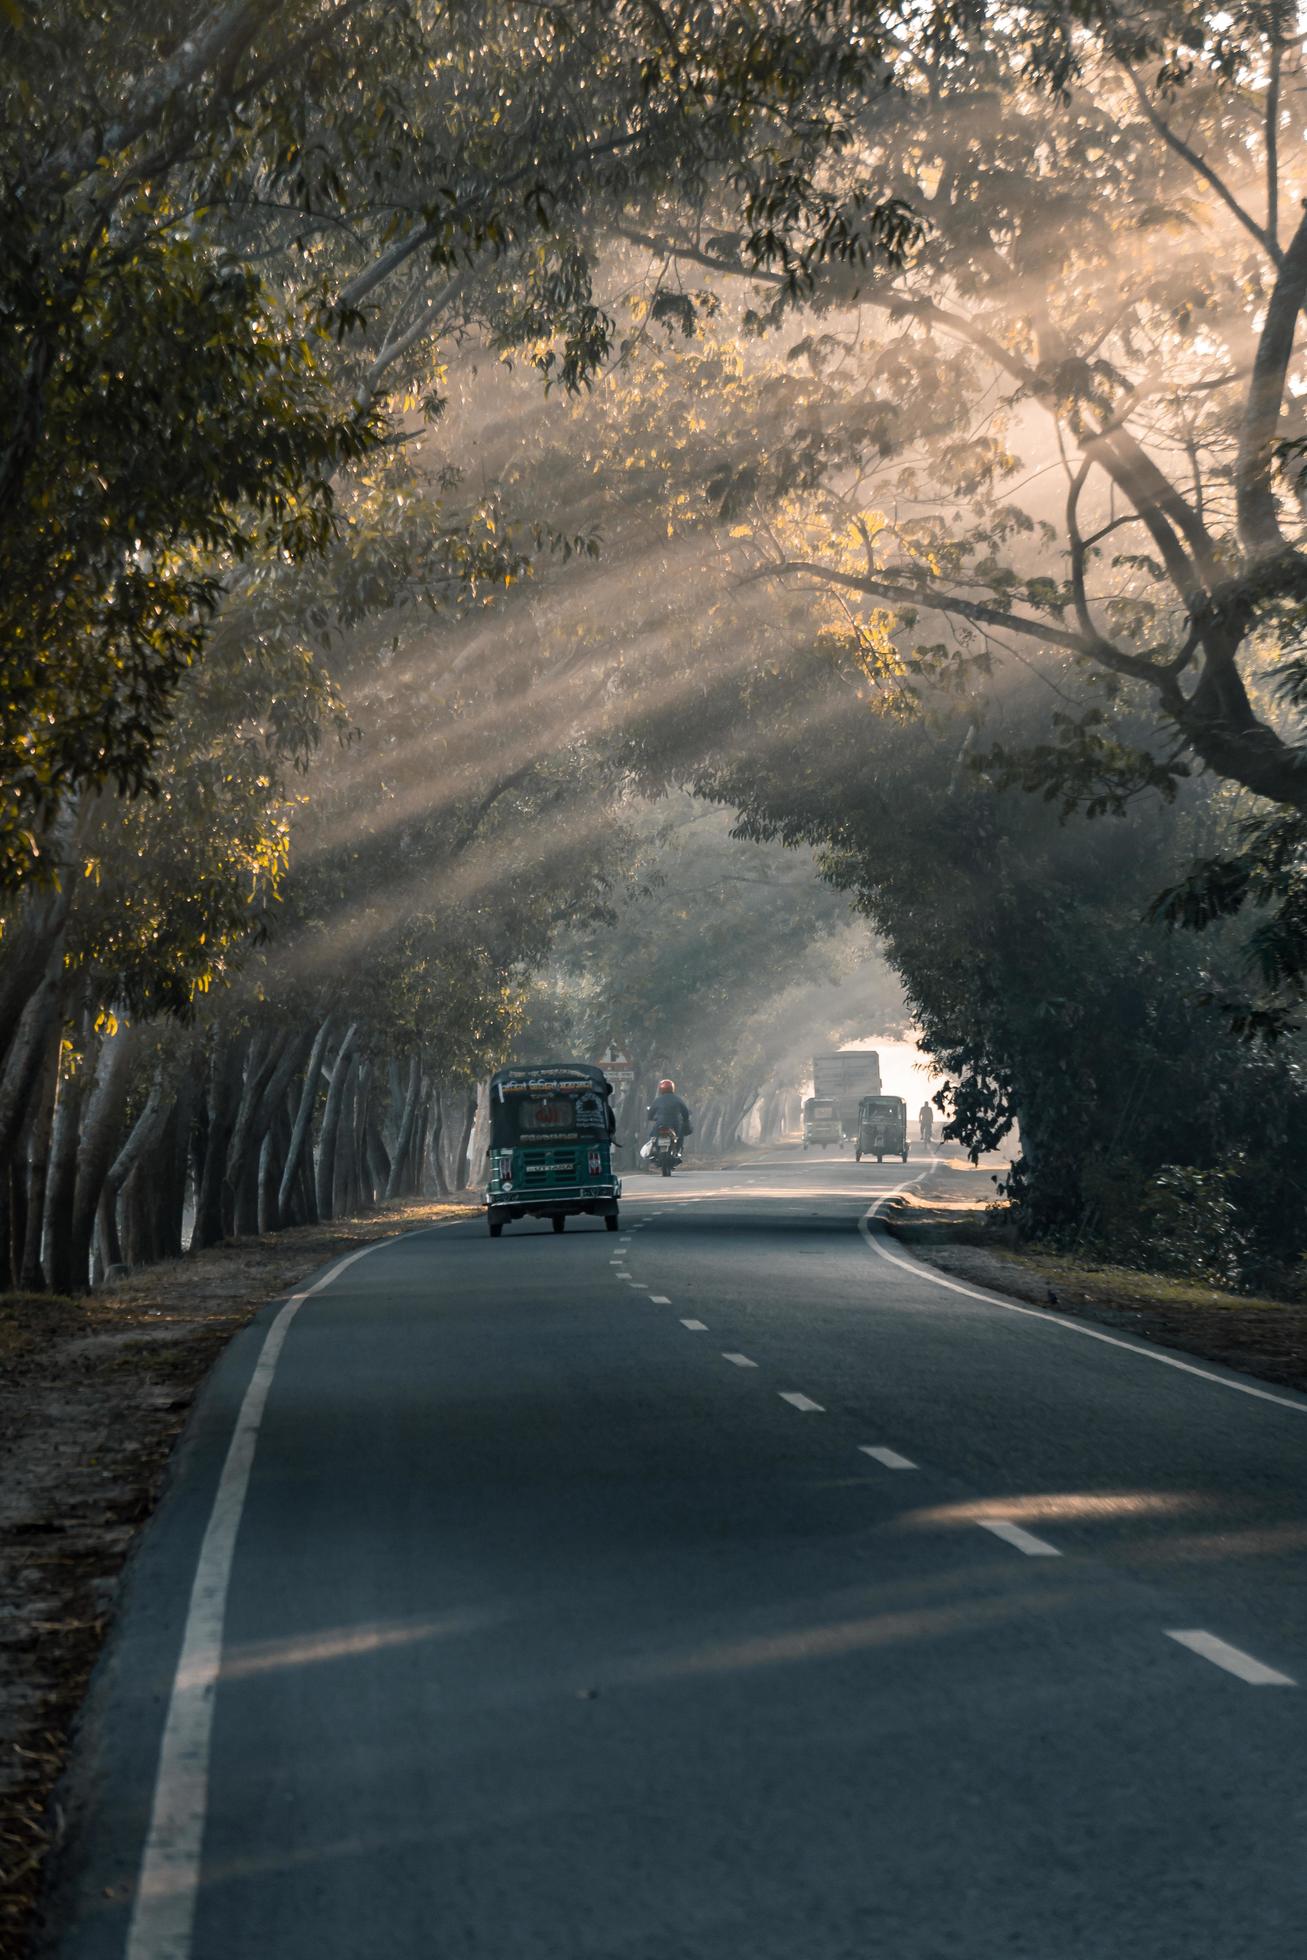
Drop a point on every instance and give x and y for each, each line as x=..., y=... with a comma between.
x=1025, y=1541
x=920, y=1270
x=660, y=1299
x=740, y=1360
x=696, y=1326
x=163, y=1914
x=890, y=1458
x=1232, y=1659
x=621, y=1275
x=797, y=1401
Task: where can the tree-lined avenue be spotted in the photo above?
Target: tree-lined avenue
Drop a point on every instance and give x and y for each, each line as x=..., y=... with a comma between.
x=551, y=1632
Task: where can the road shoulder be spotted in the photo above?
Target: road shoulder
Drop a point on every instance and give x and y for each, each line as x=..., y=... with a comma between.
x=94, y=1394
x=950, y=1228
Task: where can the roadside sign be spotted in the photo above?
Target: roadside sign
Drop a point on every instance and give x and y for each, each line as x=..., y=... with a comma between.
x=619, y=1068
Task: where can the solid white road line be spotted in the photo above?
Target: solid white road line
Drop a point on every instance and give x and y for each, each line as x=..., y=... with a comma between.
x=920, y=1270
x=797, y=1401
x=890, y=1458
x=740, y=1360
x=163, y=1914
x=660, y=1299
x=696, y=1326
x=1025, y=1541
x=1232, y=1659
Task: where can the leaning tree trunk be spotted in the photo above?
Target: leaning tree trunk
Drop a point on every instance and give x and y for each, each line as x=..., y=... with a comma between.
x=240, y=1166
x=145, y=1133
x=26, y=1052
x=401, y=1163
x=301, y=1133
x=272, y=1156
x=33, y=955
x=245, y=1154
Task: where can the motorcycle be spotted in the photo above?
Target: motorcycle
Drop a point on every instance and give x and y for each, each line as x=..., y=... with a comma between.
x=663, y=1151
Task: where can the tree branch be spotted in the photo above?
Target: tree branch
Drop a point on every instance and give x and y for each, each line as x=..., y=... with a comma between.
x=395, y=350
x=1092, y=646
x=1204, y=170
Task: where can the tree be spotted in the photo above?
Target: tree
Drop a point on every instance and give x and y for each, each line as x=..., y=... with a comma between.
x=1067, y=428
x=230, y=248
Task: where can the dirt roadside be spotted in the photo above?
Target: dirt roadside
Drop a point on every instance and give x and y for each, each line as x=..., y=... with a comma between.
x=954, y=1229
x=93, y=1394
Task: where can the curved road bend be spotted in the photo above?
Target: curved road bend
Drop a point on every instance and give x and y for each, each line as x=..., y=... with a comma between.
x=721, y=1590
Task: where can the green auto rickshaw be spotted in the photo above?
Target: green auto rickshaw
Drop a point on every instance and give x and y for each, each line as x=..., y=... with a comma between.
x=821, y=1123
x=882, y=1128
x=551, y=1145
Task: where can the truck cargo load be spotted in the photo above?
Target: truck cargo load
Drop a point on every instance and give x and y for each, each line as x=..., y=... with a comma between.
x=846, y=1077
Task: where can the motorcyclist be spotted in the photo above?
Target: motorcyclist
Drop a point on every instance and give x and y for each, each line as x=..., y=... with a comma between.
x=668, y=1111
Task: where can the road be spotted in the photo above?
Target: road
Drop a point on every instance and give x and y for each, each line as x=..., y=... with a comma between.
x=726, y=1589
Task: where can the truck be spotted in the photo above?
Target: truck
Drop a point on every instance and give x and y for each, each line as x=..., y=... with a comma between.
x=846, y=1077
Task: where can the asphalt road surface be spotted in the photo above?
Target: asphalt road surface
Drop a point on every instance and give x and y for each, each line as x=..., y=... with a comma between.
x=728, y=1590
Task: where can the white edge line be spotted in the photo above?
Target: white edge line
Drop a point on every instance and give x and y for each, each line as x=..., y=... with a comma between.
x=163, y=1911
x=920, y=1270
x=1013, y=1534
x=1232, y=1659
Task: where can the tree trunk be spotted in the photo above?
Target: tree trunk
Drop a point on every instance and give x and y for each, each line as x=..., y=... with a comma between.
x=419, y=1153
x=61, y=1185
x=378, y=1158
x=465, y=1140
x=272, y=1156
x=302, y=1129
x=24, y=1057
x=222, y=1096
x=401, y=1167
x=324, y=1186
x=342, y=1170
x=174, y=1167
x=32, y=955
x=144, y=1135
x=245, y=1155
x=31, y=1269
x=435, y=1143
x=104, y=1109
x=241, y=1163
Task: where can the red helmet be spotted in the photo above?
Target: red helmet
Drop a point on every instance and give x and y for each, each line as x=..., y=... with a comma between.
x=666, y=1084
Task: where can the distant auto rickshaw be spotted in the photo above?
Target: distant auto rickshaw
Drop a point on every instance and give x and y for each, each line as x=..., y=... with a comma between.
x=551, y=1146
x=882, y=1128
x=821, y=1123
